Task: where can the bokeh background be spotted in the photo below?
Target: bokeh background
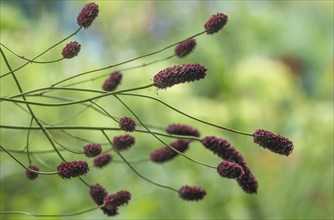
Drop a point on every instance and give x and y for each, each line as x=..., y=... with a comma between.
x=271, y=67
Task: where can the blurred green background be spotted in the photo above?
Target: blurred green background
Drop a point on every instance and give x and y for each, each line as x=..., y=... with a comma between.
x=271, y=67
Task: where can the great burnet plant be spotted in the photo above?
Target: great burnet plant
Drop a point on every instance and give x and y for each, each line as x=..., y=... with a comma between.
x=232, y=166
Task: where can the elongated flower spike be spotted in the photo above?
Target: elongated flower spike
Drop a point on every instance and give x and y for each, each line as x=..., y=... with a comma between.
x=30, y=174
x=164, y=154
x=67, y=170
x=92, y=150
x=179, y=74
x=97, y=193
x=230, y=170
x=123, y=142
x=185, y=47
x=111, y=83
x=88, y=14
x=118, y=199
x=102, y=160
x=215, y=23
x=181, y=129
x=273, y=142
x=71, y=50
x=191, y=193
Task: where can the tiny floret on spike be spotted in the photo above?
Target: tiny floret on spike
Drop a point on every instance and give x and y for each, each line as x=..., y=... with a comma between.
x=71, y=50
x=191, y=193
x=88, y=14
x=215, y=23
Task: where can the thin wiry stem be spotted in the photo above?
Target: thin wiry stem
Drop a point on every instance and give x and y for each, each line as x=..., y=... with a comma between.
x=27, y=141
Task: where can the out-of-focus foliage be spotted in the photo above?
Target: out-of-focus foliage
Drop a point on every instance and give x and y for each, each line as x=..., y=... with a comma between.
x=271, y=67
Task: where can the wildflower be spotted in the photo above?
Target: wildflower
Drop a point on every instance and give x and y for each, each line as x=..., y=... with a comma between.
x=164, y=154
x=97, y=193
x=127, y=124
x=88, y=14
x=181, y=129
x=110, y=212
x=185, y=47
x=71, y=50
x=179, y=74
x=118, y=199
x=230, y=170
x=111, y=83
x=123, y=142
x=92, y=150
x=67, y=170
x=30, y=174
x=273, y=142
x=191, y=193
x=247, y=182
x=215, y=23
x=102, y=160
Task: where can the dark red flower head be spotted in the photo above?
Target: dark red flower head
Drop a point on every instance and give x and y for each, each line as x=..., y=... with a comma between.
x=164, y=154
x=71, y=50
x=127, y=124
x=185, y=47
x=191, y=193
x=273, y=142
x=230, y=170
x=92, y=150
x=248, y=182
x=215, y=23
x=67, y=170
x=118, y=199
x=110, y=212
x=179, y=74
x=123, y=142
x=30, y=174
x=112, y=81
x=102, y=160
x=97, y=193
x=88, y=14
x=181, y=129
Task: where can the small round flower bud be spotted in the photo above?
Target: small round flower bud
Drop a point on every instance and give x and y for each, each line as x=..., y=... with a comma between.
x=215, y=23
x=164, y=154
x=102, y=160
x=185, y=47
x=191, y=193
x=92, y=150
x=273, y=142
x=230, y=170
x=97, y=193
x=30, y=174
x=118, y=199
x=123, y=142
x=180, y=129
x=127, y=124
x=67, y=170
x=179, y=74
x=111, y=83
x=88, y=14
x=110, y=212
x=71, y=50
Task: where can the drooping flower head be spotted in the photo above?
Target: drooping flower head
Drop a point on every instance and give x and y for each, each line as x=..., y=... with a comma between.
x=230, y=170
x=273, y=142
x=102, y=160
x=92, y=150
x=30, y=174
x=97, y=193
x=215, y=23
x=111, y=83
x=179, y=74
x=110, y=212
x=181, y=129
x=164, y=154
x=118, y=199
x=88, y=14
x=71, y=50
x=191, y=193
x=248, y=182
x=127, y=124
x=67, y=170
x=185, y=47
x=123, y=142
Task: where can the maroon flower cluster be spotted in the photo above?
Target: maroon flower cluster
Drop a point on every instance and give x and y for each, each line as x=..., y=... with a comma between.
x=215, y=23
x=97, y=193
x=123, y=142
x=30, y=174
x=191, y=193
x=273, y=142
x=227, y=152
x=102, y=160
x=118, y=199
x=111, y=83
x=180, y=129
x=164, y=154
x=127, y=124
x=185, y=47
x=67, y=170
x=230, y=170
x=71, y=50
x=179, y=74
x=92, y=150
x=88, y=14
